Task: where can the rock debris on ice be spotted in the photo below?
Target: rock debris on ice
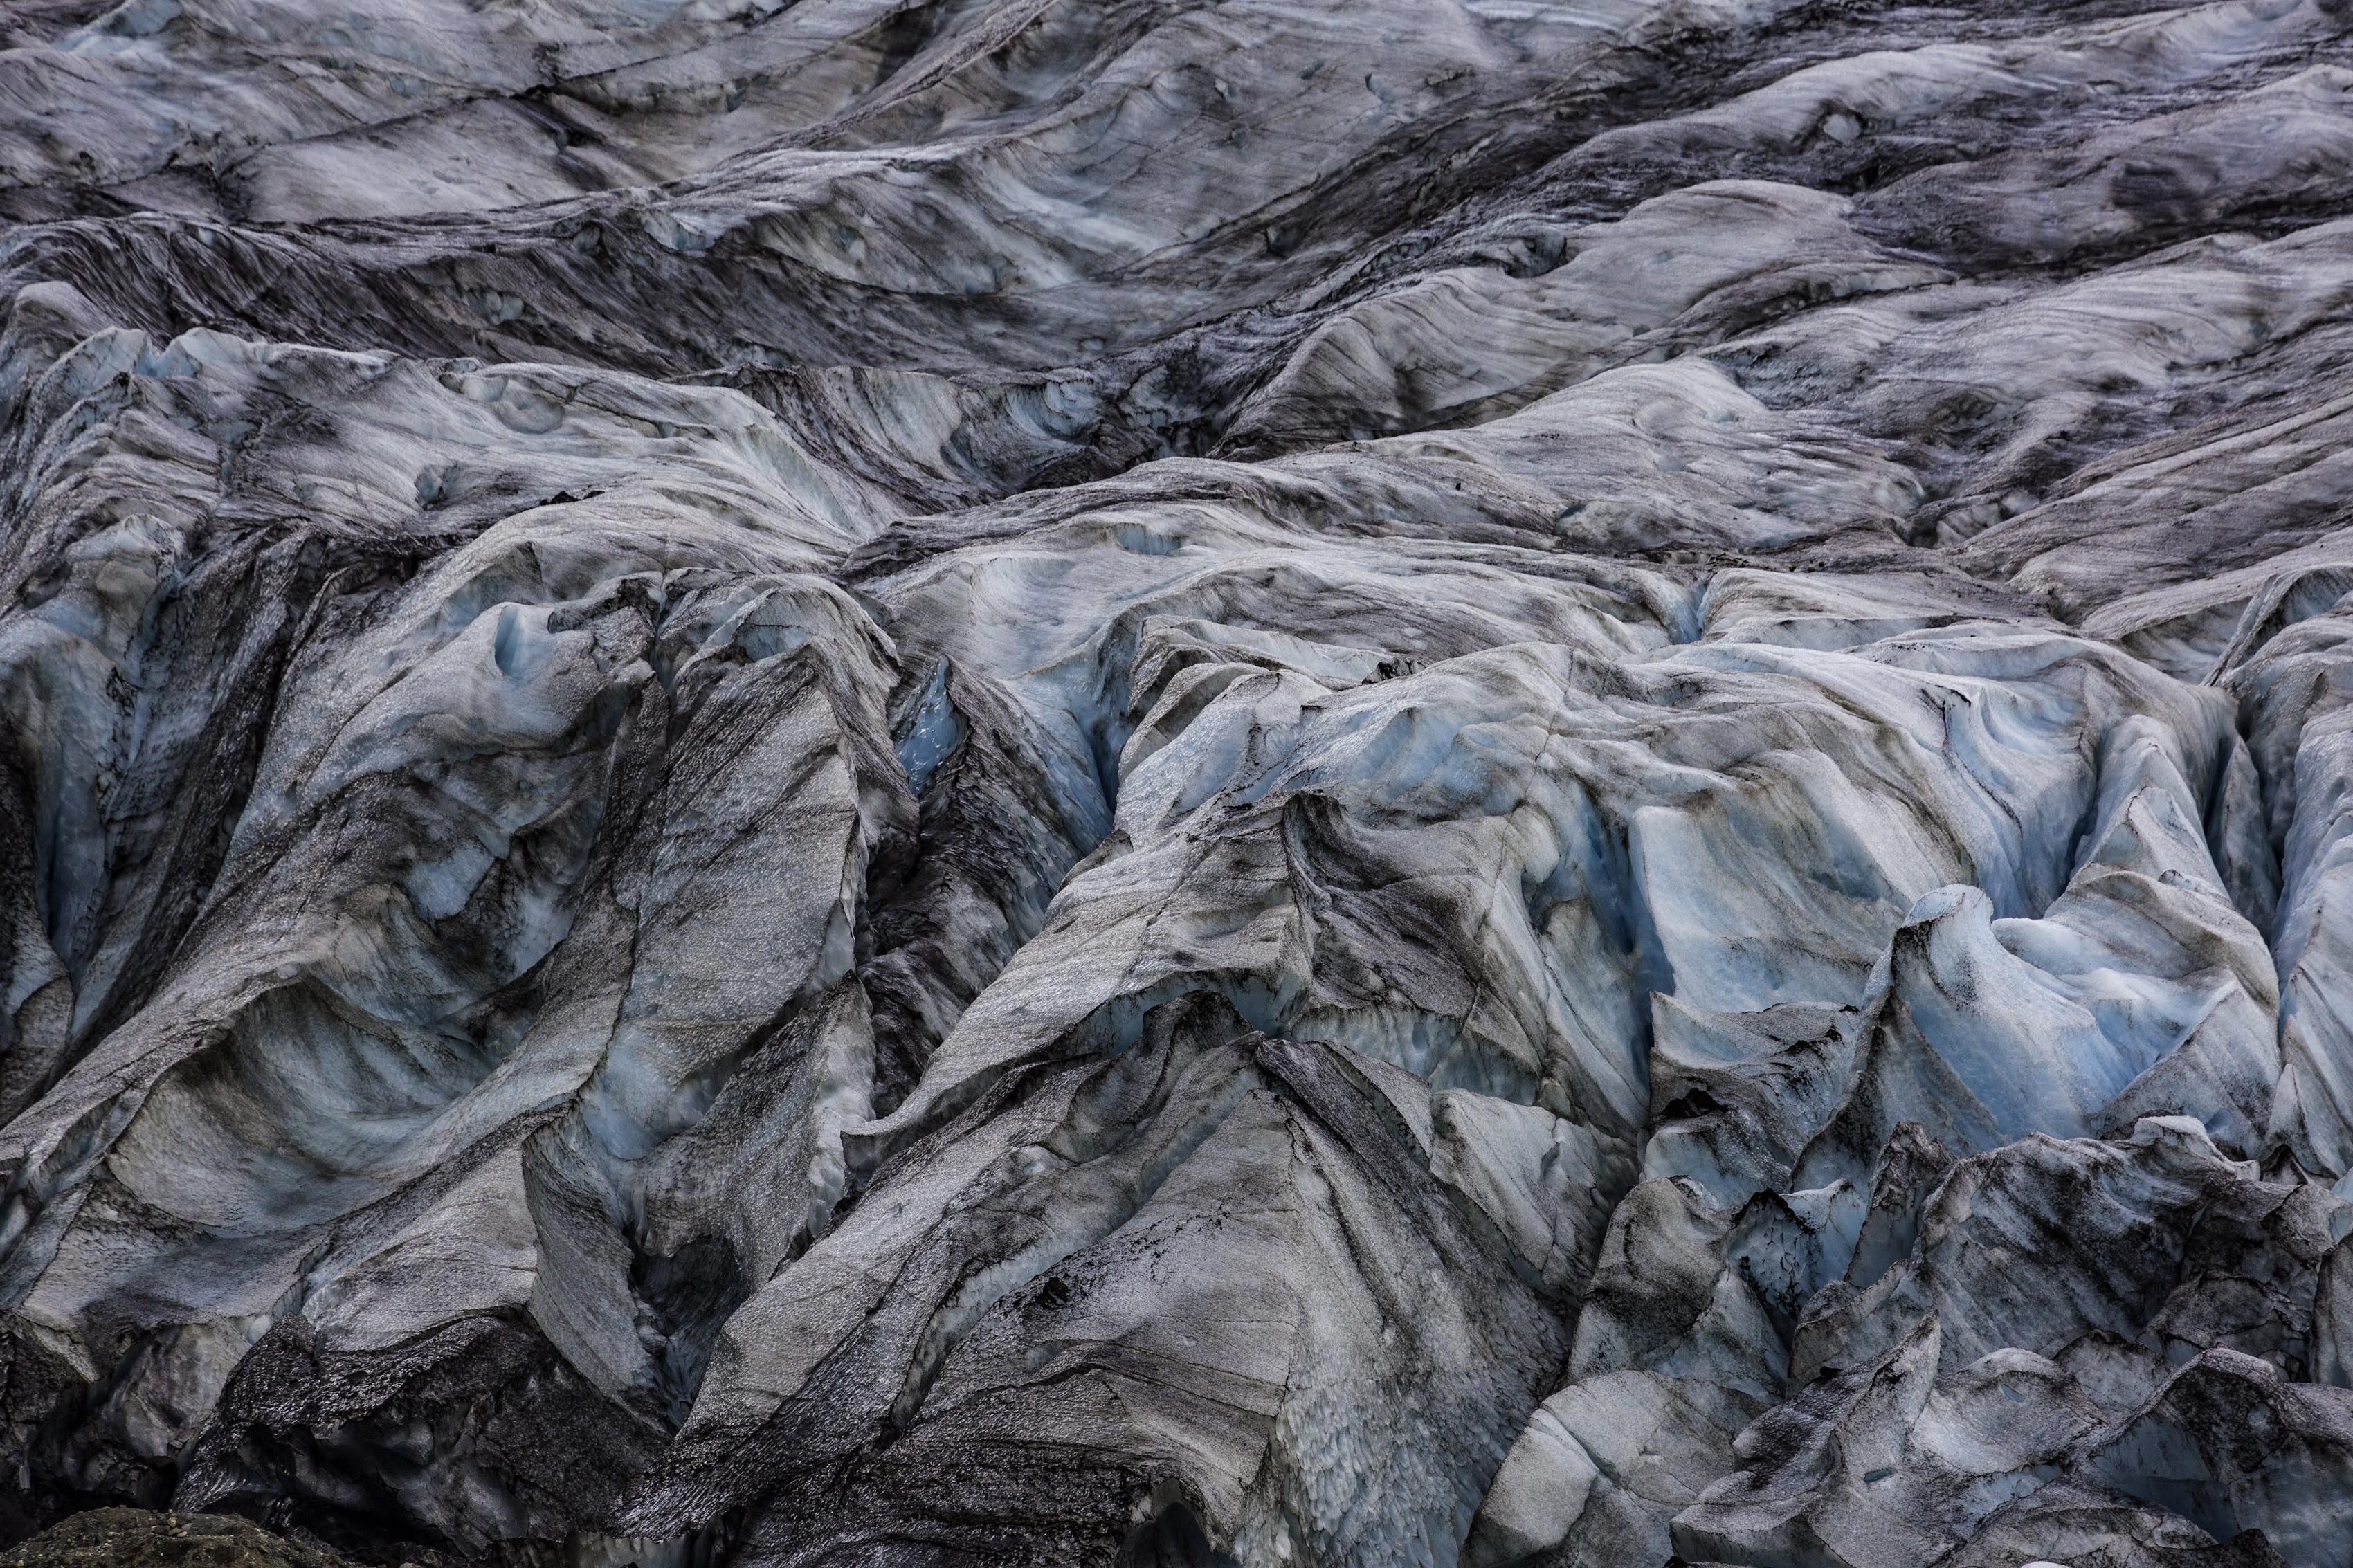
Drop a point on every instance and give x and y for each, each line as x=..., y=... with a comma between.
x=1259, y=782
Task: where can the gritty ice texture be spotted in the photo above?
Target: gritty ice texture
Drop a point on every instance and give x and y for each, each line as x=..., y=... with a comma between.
x=1181, y=784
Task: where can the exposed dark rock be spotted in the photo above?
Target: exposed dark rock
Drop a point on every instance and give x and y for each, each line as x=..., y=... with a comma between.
x=136, y=1538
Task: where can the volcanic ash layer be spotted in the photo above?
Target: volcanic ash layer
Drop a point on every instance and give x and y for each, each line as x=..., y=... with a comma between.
x=1276, y=784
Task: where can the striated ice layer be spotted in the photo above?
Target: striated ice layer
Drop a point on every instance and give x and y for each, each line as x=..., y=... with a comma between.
x=1265, y=784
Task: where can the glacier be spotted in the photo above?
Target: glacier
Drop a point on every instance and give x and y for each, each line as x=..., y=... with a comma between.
x=1180, y=783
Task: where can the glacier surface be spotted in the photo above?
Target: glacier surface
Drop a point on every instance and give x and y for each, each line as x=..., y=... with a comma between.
x=1186, y=783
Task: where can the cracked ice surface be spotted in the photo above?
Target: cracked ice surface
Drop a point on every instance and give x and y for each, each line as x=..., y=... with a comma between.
x=1157, y=783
